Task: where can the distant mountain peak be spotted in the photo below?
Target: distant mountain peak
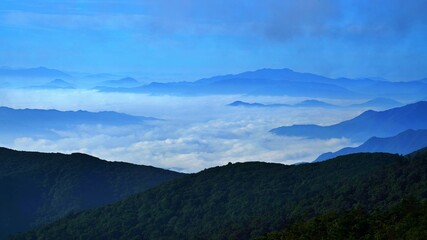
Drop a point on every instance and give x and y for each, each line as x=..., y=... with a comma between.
x=39, y=72
x=128, y=80
x=368, y=124
x=403, y=143
x=55, y=84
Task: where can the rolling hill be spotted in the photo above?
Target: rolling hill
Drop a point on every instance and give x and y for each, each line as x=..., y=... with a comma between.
x=247, y=200
x=368, y=124
x=37, y=188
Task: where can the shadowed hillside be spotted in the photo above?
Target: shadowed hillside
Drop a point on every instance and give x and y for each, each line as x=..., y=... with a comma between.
x=40, y=187
x=247, y=200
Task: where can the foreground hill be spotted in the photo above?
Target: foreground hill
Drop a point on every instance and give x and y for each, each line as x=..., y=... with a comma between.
x=247, y=200
x=368, y=124
x=403, y=143
x=40, y=187
x=407, y=220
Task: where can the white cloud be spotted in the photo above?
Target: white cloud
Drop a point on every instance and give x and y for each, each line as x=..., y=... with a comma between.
x=198, y=132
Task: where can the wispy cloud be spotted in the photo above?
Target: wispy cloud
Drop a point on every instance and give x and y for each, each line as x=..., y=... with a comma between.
x=273, y=19
x=74, y=21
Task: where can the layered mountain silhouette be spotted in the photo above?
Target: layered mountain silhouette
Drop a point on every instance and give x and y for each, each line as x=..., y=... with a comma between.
x=37, y=188
x=285, y=82
x=55, y=84
x=378, y=103
x=305, y=103
x=123, y=82
x=403, y=143
x=368, y=124
x=272, y=82
x=39, y=72
x=25, y=122
x=261, y=82
x=314, y=103
x=374, y=103
x=247, y=200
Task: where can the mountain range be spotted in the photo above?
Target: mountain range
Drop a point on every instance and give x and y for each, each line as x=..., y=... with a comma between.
x=305, y=103
x=378, y=103
x=123, y=82
x=25, y=122
x=403, y=143
x=278, y=82
x=248, y=200
x=374, y=103
x=55, y=84
x=39, y=72
x=368, y=124
x=37, y=188
x=271, y=82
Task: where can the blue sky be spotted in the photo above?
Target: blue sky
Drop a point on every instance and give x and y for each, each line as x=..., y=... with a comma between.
x=191, y=38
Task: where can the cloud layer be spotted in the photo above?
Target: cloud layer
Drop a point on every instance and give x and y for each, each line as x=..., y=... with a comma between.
x=197, y=133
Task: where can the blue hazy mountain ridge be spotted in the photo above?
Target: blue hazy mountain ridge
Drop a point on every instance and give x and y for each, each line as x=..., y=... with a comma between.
x=379, y=102
x=39, y=72
x=246, y=104
x=101, y=76
x=368, y=124
x=374, y=103
x=305, y=103
x=40, y=187
x=55, y=84
x=123, y=82
x=314, y=103
x=284, y=82
x=24, y=122
x=403, y=143
x=240, y=84
x=395, y=89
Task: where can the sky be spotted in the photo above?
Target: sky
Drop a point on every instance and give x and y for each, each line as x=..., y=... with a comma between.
x=190, y=39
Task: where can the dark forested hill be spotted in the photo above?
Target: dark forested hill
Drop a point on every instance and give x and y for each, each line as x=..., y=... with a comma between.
x=247, y=200
x=37, y=188
x=368, y=124
x=407, y=220
x=403, y=143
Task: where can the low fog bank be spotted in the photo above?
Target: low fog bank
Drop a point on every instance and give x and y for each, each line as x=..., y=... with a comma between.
x=196, y=132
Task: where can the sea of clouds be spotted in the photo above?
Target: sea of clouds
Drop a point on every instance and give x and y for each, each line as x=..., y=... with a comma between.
x=194, y=133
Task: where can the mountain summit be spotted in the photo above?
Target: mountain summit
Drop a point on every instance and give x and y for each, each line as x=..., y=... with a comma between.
x=368, y=124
